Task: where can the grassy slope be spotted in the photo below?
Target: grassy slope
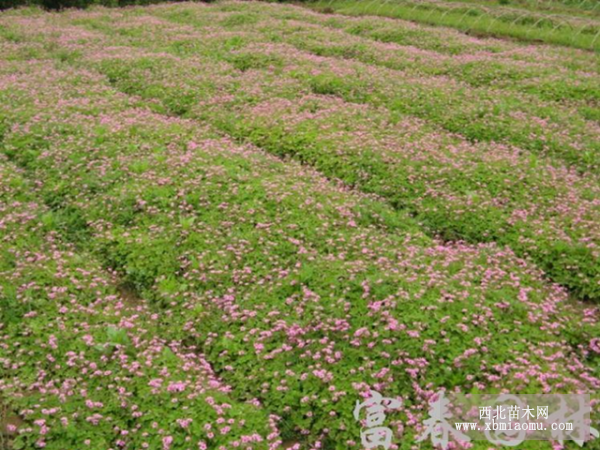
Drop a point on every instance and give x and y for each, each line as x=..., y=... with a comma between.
x=574, y=7
x=574, y=27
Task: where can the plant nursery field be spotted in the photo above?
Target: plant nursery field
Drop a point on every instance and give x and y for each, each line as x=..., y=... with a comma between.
x=223, y=224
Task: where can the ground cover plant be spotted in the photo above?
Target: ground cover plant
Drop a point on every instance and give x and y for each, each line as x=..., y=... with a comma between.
x=470, y=199
x=223, y=224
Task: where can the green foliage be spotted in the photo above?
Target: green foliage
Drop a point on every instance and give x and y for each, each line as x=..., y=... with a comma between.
x=223, y=224
x=62, y=4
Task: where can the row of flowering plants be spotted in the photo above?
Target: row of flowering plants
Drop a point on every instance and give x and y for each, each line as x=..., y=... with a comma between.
x=82, y=365
x=235, y=266
x=476, y=163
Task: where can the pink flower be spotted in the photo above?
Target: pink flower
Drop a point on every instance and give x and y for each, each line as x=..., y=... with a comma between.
x=177, y=386
x=167, y=441
x=155, y=382
x=184, y=423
